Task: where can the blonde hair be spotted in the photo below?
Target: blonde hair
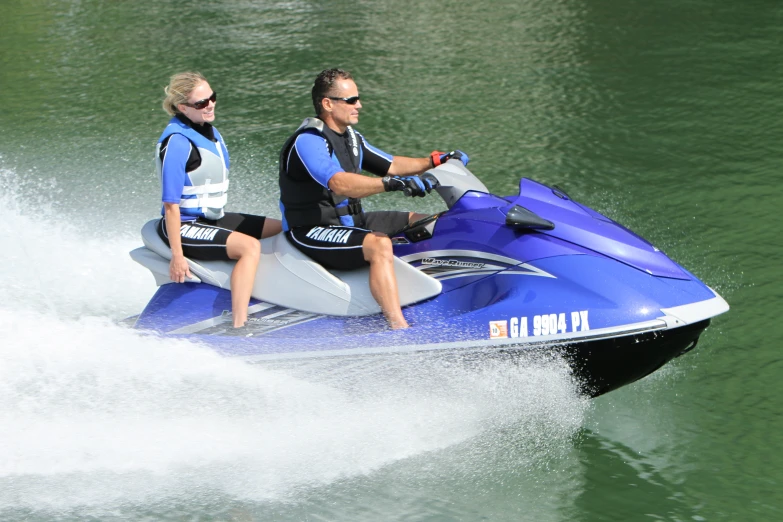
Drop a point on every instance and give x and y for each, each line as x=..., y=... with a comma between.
x=178, y=90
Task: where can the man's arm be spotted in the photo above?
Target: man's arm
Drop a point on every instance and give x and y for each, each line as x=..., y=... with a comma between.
x=382, y=163
x=403, y=166
x=358, y=186
x=355, y=185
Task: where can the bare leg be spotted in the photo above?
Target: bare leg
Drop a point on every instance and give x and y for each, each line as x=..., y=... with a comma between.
x=414, y=217
x=247, y=251
x=377, y=250
x=271, y=227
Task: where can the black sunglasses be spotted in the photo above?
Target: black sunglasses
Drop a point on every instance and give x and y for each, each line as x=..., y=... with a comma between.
x=350, y=101
x=202, y=104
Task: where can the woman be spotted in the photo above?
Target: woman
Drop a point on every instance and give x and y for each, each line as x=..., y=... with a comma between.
x=192, y=162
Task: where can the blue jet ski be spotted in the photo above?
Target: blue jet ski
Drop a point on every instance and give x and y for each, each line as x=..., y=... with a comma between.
x=491, y=276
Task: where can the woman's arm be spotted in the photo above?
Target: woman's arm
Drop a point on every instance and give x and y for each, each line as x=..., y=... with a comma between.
x=173, y=179
x=178, y=267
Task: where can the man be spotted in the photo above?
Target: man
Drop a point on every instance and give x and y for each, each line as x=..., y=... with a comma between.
x=320, y=190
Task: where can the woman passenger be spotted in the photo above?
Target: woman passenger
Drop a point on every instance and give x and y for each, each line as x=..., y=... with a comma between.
x=192, y=163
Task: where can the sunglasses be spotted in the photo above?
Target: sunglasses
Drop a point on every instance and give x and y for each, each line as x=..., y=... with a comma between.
x=202, y=104
x=350, y=101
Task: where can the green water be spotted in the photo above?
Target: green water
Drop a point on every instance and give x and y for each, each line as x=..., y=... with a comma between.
x=663, y=115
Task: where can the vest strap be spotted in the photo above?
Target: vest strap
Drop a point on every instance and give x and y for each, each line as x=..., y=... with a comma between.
x=208, y=188
x=217, y=201
x=351, y=209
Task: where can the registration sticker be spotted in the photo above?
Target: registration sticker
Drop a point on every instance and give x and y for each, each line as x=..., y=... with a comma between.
x=498, y=329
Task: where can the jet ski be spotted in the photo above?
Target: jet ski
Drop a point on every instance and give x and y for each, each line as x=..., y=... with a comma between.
x=506, y=276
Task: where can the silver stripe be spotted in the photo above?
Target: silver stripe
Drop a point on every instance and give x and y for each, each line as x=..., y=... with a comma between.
x=220, y=319
x=477, y=254
x=460, y=253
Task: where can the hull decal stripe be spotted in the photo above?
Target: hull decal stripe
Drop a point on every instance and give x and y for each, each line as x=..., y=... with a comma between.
x=220, y=319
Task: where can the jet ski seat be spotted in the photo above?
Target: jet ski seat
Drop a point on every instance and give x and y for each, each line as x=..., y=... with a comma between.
x=287, y=277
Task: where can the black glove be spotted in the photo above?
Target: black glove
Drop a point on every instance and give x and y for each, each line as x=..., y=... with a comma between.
x=430, y=181
x=439, y=158
x=409, y=185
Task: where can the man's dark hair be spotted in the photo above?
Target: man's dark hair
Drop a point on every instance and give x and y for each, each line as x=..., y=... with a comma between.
x=323, y=85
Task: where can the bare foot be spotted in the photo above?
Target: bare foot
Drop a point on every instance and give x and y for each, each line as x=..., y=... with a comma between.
x=399, y=325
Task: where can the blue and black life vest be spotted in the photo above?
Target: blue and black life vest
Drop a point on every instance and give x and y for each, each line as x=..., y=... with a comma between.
x=304, y=201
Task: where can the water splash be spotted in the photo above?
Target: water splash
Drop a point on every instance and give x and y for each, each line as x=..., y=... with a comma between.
x=56, y=265
x=97, y=414
x=98, y=420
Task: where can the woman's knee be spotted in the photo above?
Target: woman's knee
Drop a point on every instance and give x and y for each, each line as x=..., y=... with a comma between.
x=241, y=246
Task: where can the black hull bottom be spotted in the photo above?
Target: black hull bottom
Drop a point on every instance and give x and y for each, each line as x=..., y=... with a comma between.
x=607, y=364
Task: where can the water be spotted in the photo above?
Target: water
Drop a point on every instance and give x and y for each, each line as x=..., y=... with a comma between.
x=663, y=115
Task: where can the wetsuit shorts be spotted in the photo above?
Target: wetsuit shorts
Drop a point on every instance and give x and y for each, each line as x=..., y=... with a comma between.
x=340, y=247
x=206, y=239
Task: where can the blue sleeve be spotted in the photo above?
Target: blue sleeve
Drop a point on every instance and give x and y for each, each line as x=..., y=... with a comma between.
x=173, y=171
x=312, y=150
x=374, y=160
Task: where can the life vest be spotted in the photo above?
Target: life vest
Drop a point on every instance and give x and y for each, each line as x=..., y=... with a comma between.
x=305, y=202
x=204, y=193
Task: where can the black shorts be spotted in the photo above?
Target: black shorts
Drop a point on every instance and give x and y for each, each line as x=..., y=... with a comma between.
x=206, y=238
x=340, y=248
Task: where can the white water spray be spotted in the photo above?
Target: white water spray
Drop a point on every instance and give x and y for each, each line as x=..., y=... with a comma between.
x=94, y=415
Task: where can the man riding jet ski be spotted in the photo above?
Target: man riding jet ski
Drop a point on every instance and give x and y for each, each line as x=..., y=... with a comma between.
x=320, y=190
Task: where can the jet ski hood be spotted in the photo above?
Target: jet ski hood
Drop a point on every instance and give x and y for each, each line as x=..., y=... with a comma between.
x=581, y=225
x=577, y=224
